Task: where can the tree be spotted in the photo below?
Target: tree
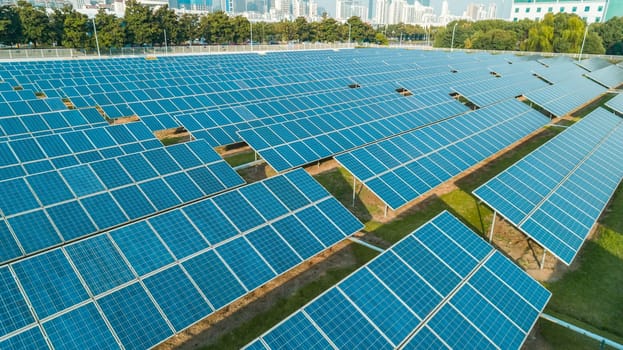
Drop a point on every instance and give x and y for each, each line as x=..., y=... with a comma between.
x=328, y=30
x=35, y=23
x=593, y=44
x=138, y=19
x=57, y=23
x=463, y=31
x=494, y=39
x=75, y=30
x=110, y=32
x=568, y=33
x=10, y=25
x=165, y=19
x=188, y=25
x=611, y=33
x=541, y=35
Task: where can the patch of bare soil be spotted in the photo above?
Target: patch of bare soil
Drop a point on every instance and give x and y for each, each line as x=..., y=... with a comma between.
x=209, y=330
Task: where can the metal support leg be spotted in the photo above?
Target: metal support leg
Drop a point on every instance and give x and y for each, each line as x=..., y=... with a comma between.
x=354, y=190
x=543, y=259
x=386, y=210
x=255, y=155
x=495, y=213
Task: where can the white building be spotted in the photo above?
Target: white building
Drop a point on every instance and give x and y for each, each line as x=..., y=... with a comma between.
x=299, y=8
x=380, y=11
x=590, y=10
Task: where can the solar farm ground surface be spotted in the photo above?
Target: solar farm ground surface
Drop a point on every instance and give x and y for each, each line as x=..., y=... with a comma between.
x=574, y=299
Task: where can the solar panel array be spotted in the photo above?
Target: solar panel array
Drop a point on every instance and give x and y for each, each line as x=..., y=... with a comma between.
x=610, y=77
x=288, y=145
x=441, y=287
x=556, y=194
x=50, y=208
x=139, y=284
x=37, y=154
x=594, y=63
x=616, y=103
x=484, y=93
x=566, y=96
x=558, y=70
x=402, y=168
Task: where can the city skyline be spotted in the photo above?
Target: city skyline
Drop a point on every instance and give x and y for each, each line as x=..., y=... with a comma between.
x=456, y=6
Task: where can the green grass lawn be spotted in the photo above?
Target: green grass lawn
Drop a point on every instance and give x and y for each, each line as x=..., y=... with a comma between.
x=240, y=158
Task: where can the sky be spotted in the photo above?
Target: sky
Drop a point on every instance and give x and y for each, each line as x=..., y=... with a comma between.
x=456, y=6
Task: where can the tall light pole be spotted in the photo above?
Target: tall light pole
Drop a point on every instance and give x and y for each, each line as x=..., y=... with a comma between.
x=453, y=31
x=166, y=46
x=251, y=23
x=348, y=34
x=400, y=39
x=583, y=41
x=97, y=43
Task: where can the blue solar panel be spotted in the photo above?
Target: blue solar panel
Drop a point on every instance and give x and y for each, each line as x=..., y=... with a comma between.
x=176, y=295
x=141, y=247
x=15, y=312
x=80, y=329
x=134, y=318
x=31, y=338
x=390, y=301
x=616, y=103
x=246, y=263
x=34, y=231
x=399, y=182
x=559, y=209
x=49, y=292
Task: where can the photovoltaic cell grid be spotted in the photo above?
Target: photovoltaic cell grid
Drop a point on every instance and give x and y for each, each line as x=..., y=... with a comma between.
x=289, y=145
x=566, y=96
x=441, y=287
x=139, y=284
x=559, y=70
x=556, y=194
x=616, y=103
x=42, y=210
x=484, y=93
x=610, y=77
x=593, y=64
x=402, y=168
x=33, y=155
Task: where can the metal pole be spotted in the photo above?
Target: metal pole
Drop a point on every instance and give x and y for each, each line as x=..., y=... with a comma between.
x=354, y=189
x=453, y=30
x=166, y=47
x=492, y=226
x=543, y=259
x=583, y=41
x=348, y=34
x=251, y=23
x=386, y=210
x=97, y=43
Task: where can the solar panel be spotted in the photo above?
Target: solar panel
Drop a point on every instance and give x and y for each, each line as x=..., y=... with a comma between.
x=610, y=77
x=400, y=169
x=594, y=63
x=616, y=103
x=340, y=132
x=566, y=96
x=139, y=284
x=401, y=299
x=556, y=194
x=58, y=206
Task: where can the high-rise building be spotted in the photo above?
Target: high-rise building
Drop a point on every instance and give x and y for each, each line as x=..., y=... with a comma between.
x=614, y=8
x=590, y=10
x=299, y=8
x=380, y=13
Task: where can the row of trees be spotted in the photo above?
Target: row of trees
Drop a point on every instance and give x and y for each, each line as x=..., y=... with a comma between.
x=26, y=24
x=561, y=33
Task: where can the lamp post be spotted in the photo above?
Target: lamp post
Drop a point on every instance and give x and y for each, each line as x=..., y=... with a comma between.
x=348, y=34
x=251, y=23
x=583, y=41
x=166, y=46
x=97, y=43
x=400, y=40
x=453, y=31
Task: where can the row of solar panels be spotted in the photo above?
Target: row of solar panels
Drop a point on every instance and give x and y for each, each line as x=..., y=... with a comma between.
x=139, y=284
x=403, y=168
x=49, y=208
x=441, y=287
x=556, y=194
